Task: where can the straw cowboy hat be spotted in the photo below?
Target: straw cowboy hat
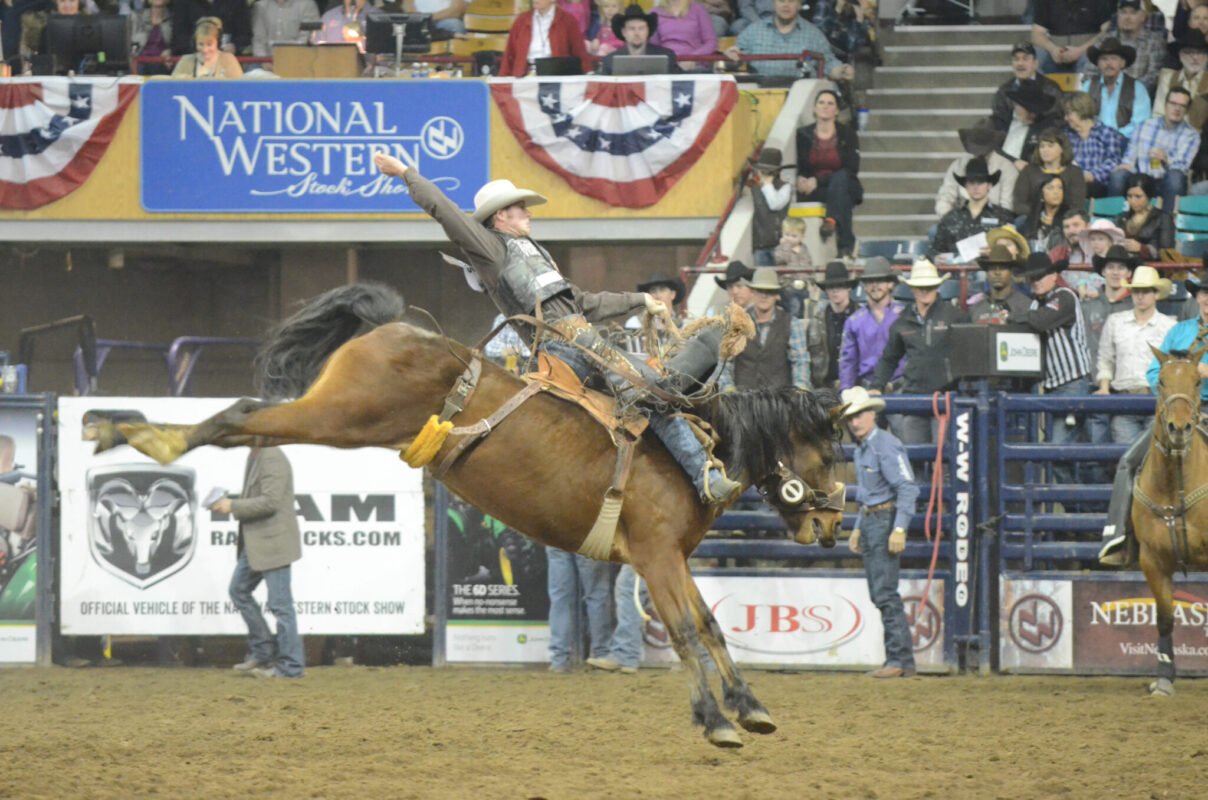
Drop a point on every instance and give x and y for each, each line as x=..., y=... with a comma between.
x=923, y=275
x=1103, y=226
x=1117, y=254
x=877, y=269
x=500, y=194
x=1008, y=233
x=977, y=171
x=858, y=400
x=1112, y=47
x=982, y=139
x=1039, y=265
x=765, y=280
x=836, y=276
x=663, y=279
x=735, y=271
x=1147, y=278
x=634, y=11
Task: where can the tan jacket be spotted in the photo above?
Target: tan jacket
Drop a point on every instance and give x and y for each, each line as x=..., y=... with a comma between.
x=268, y=526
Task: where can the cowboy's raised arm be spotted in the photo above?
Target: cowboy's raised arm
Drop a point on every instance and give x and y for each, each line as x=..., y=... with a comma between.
x=478, y=243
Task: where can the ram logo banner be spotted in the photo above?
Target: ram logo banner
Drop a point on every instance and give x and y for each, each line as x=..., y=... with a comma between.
x=625, y=141
x=308, y=146
x=141, y=521
x=53, y=132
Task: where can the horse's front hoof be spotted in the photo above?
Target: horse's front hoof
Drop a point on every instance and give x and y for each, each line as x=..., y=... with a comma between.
x=758, y=722
x=724, y=736
x=1162, y=687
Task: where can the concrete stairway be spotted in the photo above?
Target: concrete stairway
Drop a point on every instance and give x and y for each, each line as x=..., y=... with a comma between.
x=935, y=79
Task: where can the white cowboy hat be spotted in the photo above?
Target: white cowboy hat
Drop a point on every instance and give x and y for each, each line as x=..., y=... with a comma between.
x=501, y=194
x=765, y=280
x=1147, y=278
x=858, y=400
x=923, y=275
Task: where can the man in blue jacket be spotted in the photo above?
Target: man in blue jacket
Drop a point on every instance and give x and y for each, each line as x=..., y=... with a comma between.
x=886, y=494
x=1185, y=336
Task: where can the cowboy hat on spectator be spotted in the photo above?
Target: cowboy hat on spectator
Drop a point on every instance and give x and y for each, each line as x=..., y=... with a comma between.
x=663, y=279
x=735, y=271
x=1147, y=278
x=976, y=171
x=1112, y=46
x=923, y=275
x=1008, y=233
x=500, y=194
x=765, y=280
x=634, y=11
x=1116, y=253
x=836, y=276
x=982, y=139
x=1033, y=98
x=1102, y=226
x=877, y=269
x=1039, y=265
x=857, y=400
x=1000, y=257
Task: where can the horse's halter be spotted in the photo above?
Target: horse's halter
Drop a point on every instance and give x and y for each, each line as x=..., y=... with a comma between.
x=788, y=491
x=1170, y=449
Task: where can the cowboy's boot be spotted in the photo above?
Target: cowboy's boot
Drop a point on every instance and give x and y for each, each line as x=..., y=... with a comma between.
x=1116, y=533
x=693, y=364
x=713, y=486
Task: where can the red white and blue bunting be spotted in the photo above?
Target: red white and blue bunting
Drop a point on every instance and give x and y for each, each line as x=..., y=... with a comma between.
x=625, y=141
x=53, y=132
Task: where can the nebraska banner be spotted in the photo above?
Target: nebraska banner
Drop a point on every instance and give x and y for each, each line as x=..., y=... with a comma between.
x=625, y=141
x=1098, y=625
x=141, y=553
x=53, y=132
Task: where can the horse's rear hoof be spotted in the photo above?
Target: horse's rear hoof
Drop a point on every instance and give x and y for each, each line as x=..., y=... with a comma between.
x=758, y=722
x=724, y=736
x=1162, y=687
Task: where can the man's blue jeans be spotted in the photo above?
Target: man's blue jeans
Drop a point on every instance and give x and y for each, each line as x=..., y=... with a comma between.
x=626, y=646
x=569, y=575
x=1126, y=428
x=284, y=651
x=881, y=569
x=1045, y=64
x=1064, y=471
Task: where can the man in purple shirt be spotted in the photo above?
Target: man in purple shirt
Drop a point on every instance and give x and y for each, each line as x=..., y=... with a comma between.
x=866, y=332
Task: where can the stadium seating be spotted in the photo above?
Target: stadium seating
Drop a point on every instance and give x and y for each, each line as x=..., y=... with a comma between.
x=488, y=23
x=1107, y=207
x=1192, y=204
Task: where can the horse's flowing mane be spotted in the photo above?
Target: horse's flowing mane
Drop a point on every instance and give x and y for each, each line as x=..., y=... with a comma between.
x=756, y=426
x=295, y=349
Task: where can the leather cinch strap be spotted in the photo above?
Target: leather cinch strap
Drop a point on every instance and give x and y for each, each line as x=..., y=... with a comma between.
x=471, y=434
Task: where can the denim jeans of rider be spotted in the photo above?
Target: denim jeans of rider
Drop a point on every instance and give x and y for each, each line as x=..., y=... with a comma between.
x=283, y=651
x=881, y=568
x=572, y=576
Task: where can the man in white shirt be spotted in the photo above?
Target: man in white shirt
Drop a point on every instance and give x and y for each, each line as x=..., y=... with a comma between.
x=1124, y=354
x=446, y=14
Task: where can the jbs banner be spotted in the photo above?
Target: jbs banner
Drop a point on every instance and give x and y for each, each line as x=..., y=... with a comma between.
x=819, y=621
x=1101, y=625
x=18, y=534
x=142, y=555
x=308, y=146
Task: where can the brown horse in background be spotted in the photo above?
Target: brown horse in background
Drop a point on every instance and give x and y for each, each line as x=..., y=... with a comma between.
x=543, y=471
x=1167, y=514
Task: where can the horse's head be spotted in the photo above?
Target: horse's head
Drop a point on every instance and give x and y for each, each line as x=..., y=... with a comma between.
x=1178, y=404
x=783, y=441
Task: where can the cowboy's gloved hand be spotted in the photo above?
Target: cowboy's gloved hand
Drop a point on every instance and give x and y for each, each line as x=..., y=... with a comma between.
x=897, y=541
x=655, y=307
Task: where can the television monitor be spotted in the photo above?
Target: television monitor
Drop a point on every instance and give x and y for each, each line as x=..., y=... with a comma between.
x=380, y=32
x=77, y=39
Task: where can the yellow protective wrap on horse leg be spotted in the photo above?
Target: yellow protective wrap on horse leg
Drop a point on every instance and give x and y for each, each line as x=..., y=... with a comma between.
x=427, y=442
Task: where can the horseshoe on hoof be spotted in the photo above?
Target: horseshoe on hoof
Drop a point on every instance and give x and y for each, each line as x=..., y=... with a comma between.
x=758, y=722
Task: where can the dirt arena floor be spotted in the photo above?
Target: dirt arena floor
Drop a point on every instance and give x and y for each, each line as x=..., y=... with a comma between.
x=412, y=732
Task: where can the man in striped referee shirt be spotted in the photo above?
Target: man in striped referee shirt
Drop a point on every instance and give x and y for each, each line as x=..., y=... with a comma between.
x=1056, y=315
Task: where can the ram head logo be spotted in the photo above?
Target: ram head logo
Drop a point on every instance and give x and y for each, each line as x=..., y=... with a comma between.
x=141, y=525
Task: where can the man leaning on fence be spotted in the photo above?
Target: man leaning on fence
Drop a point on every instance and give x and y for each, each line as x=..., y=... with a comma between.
x=886, y=494
x=1185, y=336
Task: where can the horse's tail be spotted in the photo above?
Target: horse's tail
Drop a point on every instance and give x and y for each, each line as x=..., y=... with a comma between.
x=296, y=348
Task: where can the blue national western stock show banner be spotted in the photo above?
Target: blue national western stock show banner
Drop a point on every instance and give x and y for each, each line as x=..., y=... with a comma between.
x=307, y=146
